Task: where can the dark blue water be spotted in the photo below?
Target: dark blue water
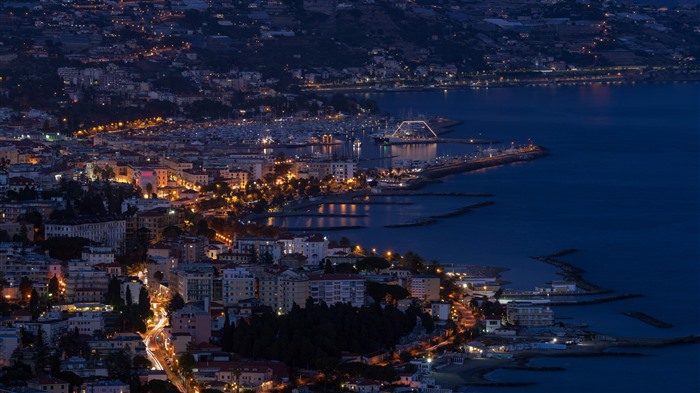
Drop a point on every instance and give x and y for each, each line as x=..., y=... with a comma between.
x=622, y=186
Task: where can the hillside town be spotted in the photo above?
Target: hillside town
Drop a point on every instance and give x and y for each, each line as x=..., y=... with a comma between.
x=133, y=262
x=146, y=148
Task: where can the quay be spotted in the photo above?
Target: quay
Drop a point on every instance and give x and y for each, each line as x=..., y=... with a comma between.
x=526, y=154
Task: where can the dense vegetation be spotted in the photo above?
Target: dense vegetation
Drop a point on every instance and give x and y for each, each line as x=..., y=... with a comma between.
x=316, y=335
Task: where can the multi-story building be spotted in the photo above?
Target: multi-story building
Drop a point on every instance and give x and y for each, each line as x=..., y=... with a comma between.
x=11, y=211
x=261, y=246
x=337, y=288
x=425, y=287
x=237, y=284
x=281, y=291
x=94, y=255
x=132, y=343
x=529, y=314
x=194, y=321
x=109, y=230
x=84, y=283
x=86, y=323
x=143, y=204
x=194, y=284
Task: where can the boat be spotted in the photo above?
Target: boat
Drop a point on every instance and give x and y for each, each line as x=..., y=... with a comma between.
x=357, y=144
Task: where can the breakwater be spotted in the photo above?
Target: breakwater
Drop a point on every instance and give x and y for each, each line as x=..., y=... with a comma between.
x=649, y=320
x=570, y=272
x=463, y=210
x=482, y=163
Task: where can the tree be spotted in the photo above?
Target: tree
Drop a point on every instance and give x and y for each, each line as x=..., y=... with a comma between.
x=34, y=301
x=25, y=288
x=113, y=296
x=141, y=363
x=128, y=299
x=53, y=287
x=158, y=386
x=172, y=232
x=118, y=364
x=187, y=362
x=72, y=378
x=176, y=303
x=144, y=306
x=372, y=263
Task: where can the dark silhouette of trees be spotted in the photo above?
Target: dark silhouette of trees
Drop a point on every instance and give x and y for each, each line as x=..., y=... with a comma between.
x=316, y=335
x=176, y=303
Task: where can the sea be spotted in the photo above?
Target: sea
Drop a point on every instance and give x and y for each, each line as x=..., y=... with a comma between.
x=621, y=186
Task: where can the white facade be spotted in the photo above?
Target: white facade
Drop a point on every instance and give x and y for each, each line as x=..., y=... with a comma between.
x=337, y=288
x=194, y=285
x=95, y=255
x=441, y=310
x=87, y=323
x=343, y=170
x=237, y=284
x=145, y=204
x=111, y=232
x=529, y=314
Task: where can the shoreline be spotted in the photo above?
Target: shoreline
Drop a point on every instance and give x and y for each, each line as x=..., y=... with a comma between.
x=474, y=372
x=467, y=85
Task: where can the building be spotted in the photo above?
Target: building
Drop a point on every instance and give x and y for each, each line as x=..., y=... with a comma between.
x=194, y=321
x=48, y=384
x=95, y=255
x=108, y=230
x=84, y=283
x=441, y=310
x=425, y=287
x=529, y=314
x=281, y=290
x=9, y=341
x=109, y=386
x=337, y=288
x=264, y=248
x=194, y=284
x=237, y=284
x=86, y=323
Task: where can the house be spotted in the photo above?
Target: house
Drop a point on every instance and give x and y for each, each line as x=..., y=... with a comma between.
x=48, y=384
x=440, y=310
x=363, y=385
x=491, y=324
x=109, y=386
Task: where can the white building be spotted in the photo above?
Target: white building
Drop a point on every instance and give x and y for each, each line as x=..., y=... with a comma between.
x=337, y=288
x=98, y=254
x=529, y=314
x=194, y=284
x=87, y=323
x=143, y=205
x=108, y=230
x=441, y=310
x=237, y=284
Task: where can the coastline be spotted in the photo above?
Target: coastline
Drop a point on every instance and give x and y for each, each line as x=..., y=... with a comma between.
x=474, y=372
x=585, y=78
